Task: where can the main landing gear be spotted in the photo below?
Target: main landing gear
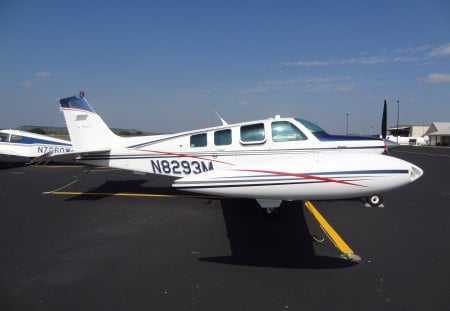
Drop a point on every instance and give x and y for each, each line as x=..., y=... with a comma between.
x=272, y=211
x=271, y=207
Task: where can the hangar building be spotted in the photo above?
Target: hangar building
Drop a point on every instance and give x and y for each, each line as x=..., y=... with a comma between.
x=409, y=130
x=439, y=134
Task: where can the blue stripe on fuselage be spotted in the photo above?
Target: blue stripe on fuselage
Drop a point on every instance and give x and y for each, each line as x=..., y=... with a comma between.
x=32, y=140
x=328, y=137
x=362, y=172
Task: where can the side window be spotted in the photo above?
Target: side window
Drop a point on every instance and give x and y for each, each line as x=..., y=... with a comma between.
x=4, y=137
x=286, y=131
x=198, y=140
x=253, y=134
x=222, y=138
x=16, y=138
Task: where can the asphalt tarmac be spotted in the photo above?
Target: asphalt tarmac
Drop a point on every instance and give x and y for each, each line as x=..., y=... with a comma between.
x=75, y=238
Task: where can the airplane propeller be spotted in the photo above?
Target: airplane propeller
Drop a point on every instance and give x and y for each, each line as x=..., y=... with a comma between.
x=390, y=145
x=384, y=121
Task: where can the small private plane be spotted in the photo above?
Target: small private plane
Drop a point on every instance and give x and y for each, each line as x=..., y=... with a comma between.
x=268, y=160
x=23, y=146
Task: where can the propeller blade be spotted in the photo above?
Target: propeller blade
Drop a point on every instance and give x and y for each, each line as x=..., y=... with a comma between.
x=384, y=121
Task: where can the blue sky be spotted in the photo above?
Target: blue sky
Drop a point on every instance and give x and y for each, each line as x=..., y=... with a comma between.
x=168, y=65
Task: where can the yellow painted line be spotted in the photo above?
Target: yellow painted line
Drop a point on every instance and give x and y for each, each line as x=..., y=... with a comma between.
x=119, y=194
x=126, y=194
x=332, y=234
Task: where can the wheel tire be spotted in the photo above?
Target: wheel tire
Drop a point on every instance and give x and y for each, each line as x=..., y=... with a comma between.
x=375, y=200
x=272, y=212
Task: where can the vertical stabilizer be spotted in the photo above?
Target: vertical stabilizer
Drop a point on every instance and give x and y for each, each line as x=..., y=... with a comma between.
x=87, y=129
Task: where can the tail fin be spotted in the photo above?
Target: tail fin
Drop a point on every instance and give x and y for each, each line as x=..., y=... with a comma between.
x=86, y=128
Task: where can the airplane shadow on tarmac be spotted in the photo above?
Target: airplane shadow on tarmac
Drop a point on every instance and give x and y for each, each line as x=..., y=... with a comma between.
x=281, y=241
x=256, y=239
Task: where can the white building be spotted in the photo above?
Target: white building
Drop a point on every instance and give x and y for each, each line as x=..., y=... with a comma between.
x=439, y=134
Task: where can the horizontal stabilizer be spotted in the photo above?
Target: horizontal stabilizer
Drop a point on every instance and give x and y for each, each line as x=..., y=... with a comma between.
x=69, y=156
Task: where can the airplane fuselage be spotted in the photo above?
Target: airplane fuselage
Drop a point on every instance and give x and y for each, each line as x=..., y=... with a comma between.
x=26, y=145
x=276, y=158
x=200, y=151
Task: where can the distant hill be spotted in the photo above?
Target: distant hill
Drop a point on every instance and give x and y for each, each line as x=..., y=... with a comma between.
x=45, y=130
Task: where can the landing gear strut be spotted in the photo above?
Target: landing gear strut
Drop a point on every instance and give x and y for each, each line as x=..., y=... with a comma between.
x=271, y=207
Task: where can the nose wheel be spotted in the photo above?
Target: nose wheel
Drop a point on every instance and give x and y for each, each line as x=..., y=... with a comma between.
x=375, y=200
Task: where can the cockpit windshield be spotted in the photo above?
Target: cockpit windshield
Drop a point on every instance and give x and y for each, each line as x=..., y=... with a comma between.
x=314, y=128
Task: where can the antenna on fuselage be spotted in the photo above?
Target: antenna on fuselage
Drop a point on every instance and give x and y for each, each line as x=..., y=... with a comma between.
x=221, y=120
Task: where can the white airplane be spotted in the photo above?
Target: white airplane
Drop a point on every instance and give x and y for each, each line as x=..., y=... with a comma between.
x=22, y=146
x=393, y=142
x=269, y=160
x=409, y=140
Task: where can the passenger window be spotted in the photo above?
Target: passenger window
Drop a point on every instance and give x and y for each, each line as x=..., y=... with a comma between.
x=4, y=137
x=253, y=134
x=222, y=138
x=198, y=140
x=16, y=138
x=286, y=131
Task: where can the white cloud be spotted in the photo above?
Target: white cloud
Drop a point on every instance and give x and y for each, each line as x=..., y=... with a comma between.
x=317, y=84
x=372, y=60
x=312, y=63
x=435, y=78
x=38, y=78
x=273, y=85
x=43, y=75
x=414, y=50
x=346, y=89
x=443, y=50
x=396, y=56
x=27, y=84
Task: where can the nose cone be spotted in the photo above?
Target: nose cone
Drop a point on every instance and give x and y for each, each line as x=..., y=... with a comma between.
x=415, y=173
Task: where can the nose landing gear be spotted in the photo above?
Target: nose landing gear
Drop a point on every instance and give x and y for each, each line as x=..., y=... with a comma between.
x=375, y=200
